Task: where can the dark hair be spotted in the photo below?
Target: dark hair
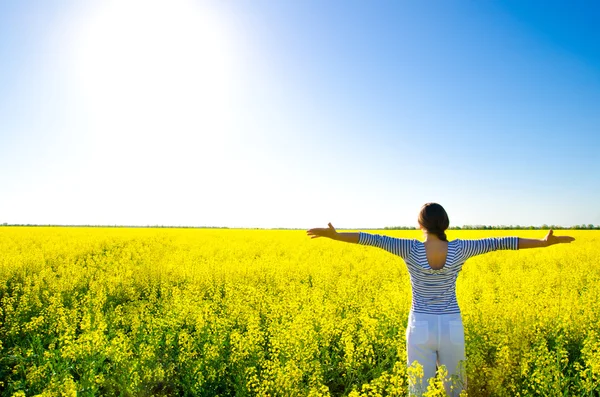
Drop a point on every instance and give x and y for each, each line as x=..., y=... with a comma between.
x=434, y=219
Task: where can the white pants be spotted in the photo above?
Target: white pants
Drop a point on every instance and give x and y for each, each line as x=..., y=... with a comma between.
x=435, y=340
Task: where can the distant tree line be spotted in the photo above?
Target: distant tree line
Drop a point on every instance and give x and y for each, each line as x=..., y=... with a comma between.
x=118, y=226
x=507, y=227
x=464, y=227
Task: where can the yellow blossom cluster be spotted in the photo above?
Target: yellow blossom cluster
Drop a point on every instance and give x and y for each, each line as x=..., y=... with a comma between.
x=209, y=312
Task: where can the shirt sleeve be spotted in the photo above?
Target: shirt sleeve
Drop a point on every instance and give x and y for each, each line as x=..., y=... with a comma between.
x=397, y=246
x=477, y=247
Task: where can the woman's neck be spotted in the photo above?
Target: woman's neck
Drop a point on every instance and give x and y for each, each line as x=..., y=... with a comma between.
x=430, y=237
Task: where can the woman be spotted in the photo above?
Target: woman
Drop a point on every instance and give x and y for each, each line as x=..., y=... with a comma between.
x=435, y=335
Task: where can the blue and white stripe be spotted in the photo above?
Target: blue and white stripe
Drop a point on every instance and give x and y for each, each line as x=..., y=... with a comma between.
x=434, y=291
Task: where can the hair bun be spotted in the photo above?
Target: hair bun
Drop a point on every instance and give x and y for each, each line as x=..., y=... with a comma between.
x=434, y=219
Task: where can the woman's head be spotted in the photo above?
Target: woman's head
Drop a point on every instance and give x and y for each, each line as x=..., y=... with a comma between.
x=434, y=220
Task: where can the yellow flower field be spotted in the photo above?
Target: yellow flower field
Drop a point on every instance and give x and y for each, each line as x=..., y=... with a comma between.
x=206, y=312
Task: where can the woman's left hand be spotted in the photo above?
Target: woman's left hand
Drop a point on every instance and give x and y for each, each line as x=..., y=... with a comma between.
x=551, y=239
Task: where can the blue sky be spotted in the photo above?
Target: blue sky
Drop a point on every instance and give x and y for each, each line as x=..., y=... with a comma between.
x=299, y=113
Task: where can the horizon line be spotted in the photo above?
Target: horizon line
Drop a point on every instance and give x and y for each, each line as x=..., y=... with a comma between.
x=588, y=226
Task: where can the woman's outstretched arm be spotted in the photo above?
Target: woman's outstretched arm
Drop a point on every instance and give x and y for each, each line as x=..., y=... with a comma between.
x=333, y=234
x=394, y=245
x=547, y=241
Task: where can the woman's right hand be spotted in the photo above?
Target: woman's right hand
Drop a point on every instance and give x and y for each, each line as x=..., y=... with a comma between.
x=323, y=232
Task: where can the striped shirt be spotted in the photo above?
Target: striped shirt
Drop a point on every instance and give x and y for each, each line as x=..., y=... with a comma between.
x=434, y=291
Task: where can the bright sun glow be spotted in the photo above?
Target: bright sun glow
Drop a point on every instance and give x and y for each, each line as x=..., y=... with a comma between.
x=157, y=80
x=154, y=68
